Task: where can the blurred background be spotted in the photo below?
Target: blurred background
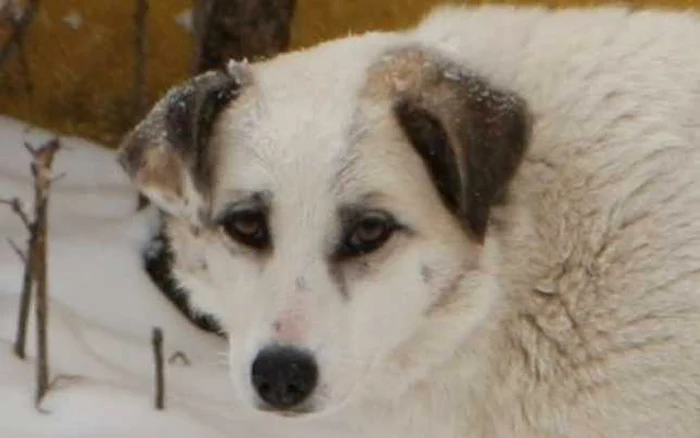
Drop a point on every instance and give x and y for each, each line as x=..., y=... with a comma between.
x=91, y=68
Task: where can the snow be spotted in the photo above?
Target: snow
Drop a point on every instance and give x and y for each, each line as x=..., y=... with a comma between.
x=102, y=311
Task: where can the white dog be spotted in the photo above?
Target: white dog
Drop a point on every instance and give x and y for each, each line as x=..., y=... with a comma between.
x=487, y=226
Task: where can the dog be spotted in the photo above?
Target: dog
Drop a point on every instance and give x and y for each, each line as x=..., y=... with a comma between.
x=484, y=226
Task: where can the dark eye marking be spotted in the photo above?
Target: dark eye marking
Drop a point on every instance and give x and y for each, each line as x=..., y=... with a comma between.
x=365, y=232
x=247, y=226
x=246, y=220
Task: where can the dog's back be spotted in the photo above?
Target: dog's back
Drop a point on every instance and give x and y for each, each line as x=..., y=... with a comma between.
x=601, y=246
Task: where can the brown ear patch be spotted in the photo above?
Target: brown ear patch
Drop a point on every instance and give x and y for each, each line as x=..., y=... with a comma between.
x=470, y=134
x=431, y=142
x=168, y=154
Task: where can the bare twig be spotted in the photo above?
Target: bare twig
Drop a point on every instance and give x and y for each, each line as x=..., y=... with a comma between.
x=16, y=206
x=180, y=357
x=27, y=278
x=25, y=298
x=22, y=256
x=31, y=149
x=140, y=99
x=41, y=169
x=58, y=383
x=19, y=31
x=157, y=342
x=35, y=263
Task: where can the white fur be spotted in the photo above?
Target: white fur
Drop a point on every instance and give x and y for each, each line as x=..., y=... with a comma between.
x=578, y=317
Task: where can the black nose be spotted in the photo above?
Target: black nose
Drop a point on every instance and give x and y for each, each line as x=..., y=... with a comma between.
x=284, y=376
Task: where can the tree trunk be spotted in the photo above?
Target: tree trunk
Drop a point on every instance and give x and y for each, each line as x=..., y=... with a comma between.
x=240, y=29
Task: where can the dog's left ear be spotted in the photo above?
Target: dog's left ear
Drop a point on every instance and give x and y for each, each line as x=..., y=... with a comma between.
x=470, y=134
x=169, y=155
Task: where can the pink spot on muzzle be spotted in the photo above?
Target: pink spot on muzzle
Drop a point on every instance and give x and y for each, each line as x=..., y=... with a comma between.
x=290, y=328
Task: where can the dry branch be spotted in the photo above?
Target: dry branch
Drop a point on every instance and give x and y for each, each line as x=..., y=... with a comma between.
x=41, y=170
x=157, y=343
x=18, y=31
x=27, y=277
x=22, y=256
x=16, y=206
x=25, y=300
x=35, y=262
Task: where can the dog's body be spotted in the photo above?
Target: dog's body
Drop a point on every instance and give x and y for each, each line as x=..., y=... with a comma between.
x=541, y=168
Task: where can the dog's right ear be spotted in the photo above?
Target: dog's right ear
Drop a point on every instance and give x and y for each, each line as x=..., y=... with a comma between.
x=169, y=156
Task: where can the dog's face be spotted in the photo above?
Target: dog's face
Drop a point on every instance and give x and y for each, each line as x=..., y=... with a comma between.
x=333, y=219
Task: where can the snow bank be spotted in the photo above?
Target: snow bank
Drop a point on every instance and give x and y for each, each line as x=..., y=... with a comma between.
x=102, y=309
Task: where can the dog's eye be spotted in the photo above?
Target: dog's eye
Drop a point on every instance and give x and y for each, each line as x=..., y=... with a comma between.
x=368, y=233
x=247, y=227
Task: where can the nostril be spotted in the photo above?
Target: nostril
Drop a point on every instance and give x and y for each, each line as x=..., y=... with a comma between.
x=284, y=376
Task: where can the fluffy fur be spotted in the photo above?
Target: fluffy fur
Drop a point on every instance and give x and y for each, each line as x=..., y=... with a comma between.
x=575, y=312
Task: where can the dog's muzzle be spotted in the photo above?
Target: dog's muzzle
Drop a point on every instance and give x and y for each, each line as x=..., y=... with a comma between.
x=284, y=377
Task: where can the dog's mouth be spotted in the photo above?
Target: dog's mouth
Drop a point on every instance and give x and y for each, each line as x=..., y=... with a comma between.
x=315, y=407
x=293, y=412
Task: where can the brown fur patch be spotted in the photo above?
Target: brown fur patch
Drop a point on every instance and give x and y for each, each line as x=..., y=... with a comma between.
x=470, y=134
x=168, y=154
x=162, y=170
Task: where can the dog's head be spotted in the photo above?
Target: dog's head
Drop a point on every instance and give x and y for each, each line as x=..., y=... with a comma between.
x=333, y=218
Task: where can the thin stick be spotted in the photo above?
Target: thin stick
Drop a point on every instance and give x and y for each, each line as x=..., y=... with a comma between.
x=25, y=299
x=16, y=206
x=157, y=342
x=22, y=256
x=27, y=278
x=31, y=149
x=41, y=170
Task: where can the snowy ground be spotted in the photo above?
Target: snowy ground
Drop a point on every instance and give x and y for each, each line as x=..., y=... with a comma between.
x=102, y=310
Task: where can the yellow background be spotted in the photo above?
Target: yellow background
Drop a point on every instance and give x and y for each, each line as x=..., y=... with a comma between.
x=83, y=78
